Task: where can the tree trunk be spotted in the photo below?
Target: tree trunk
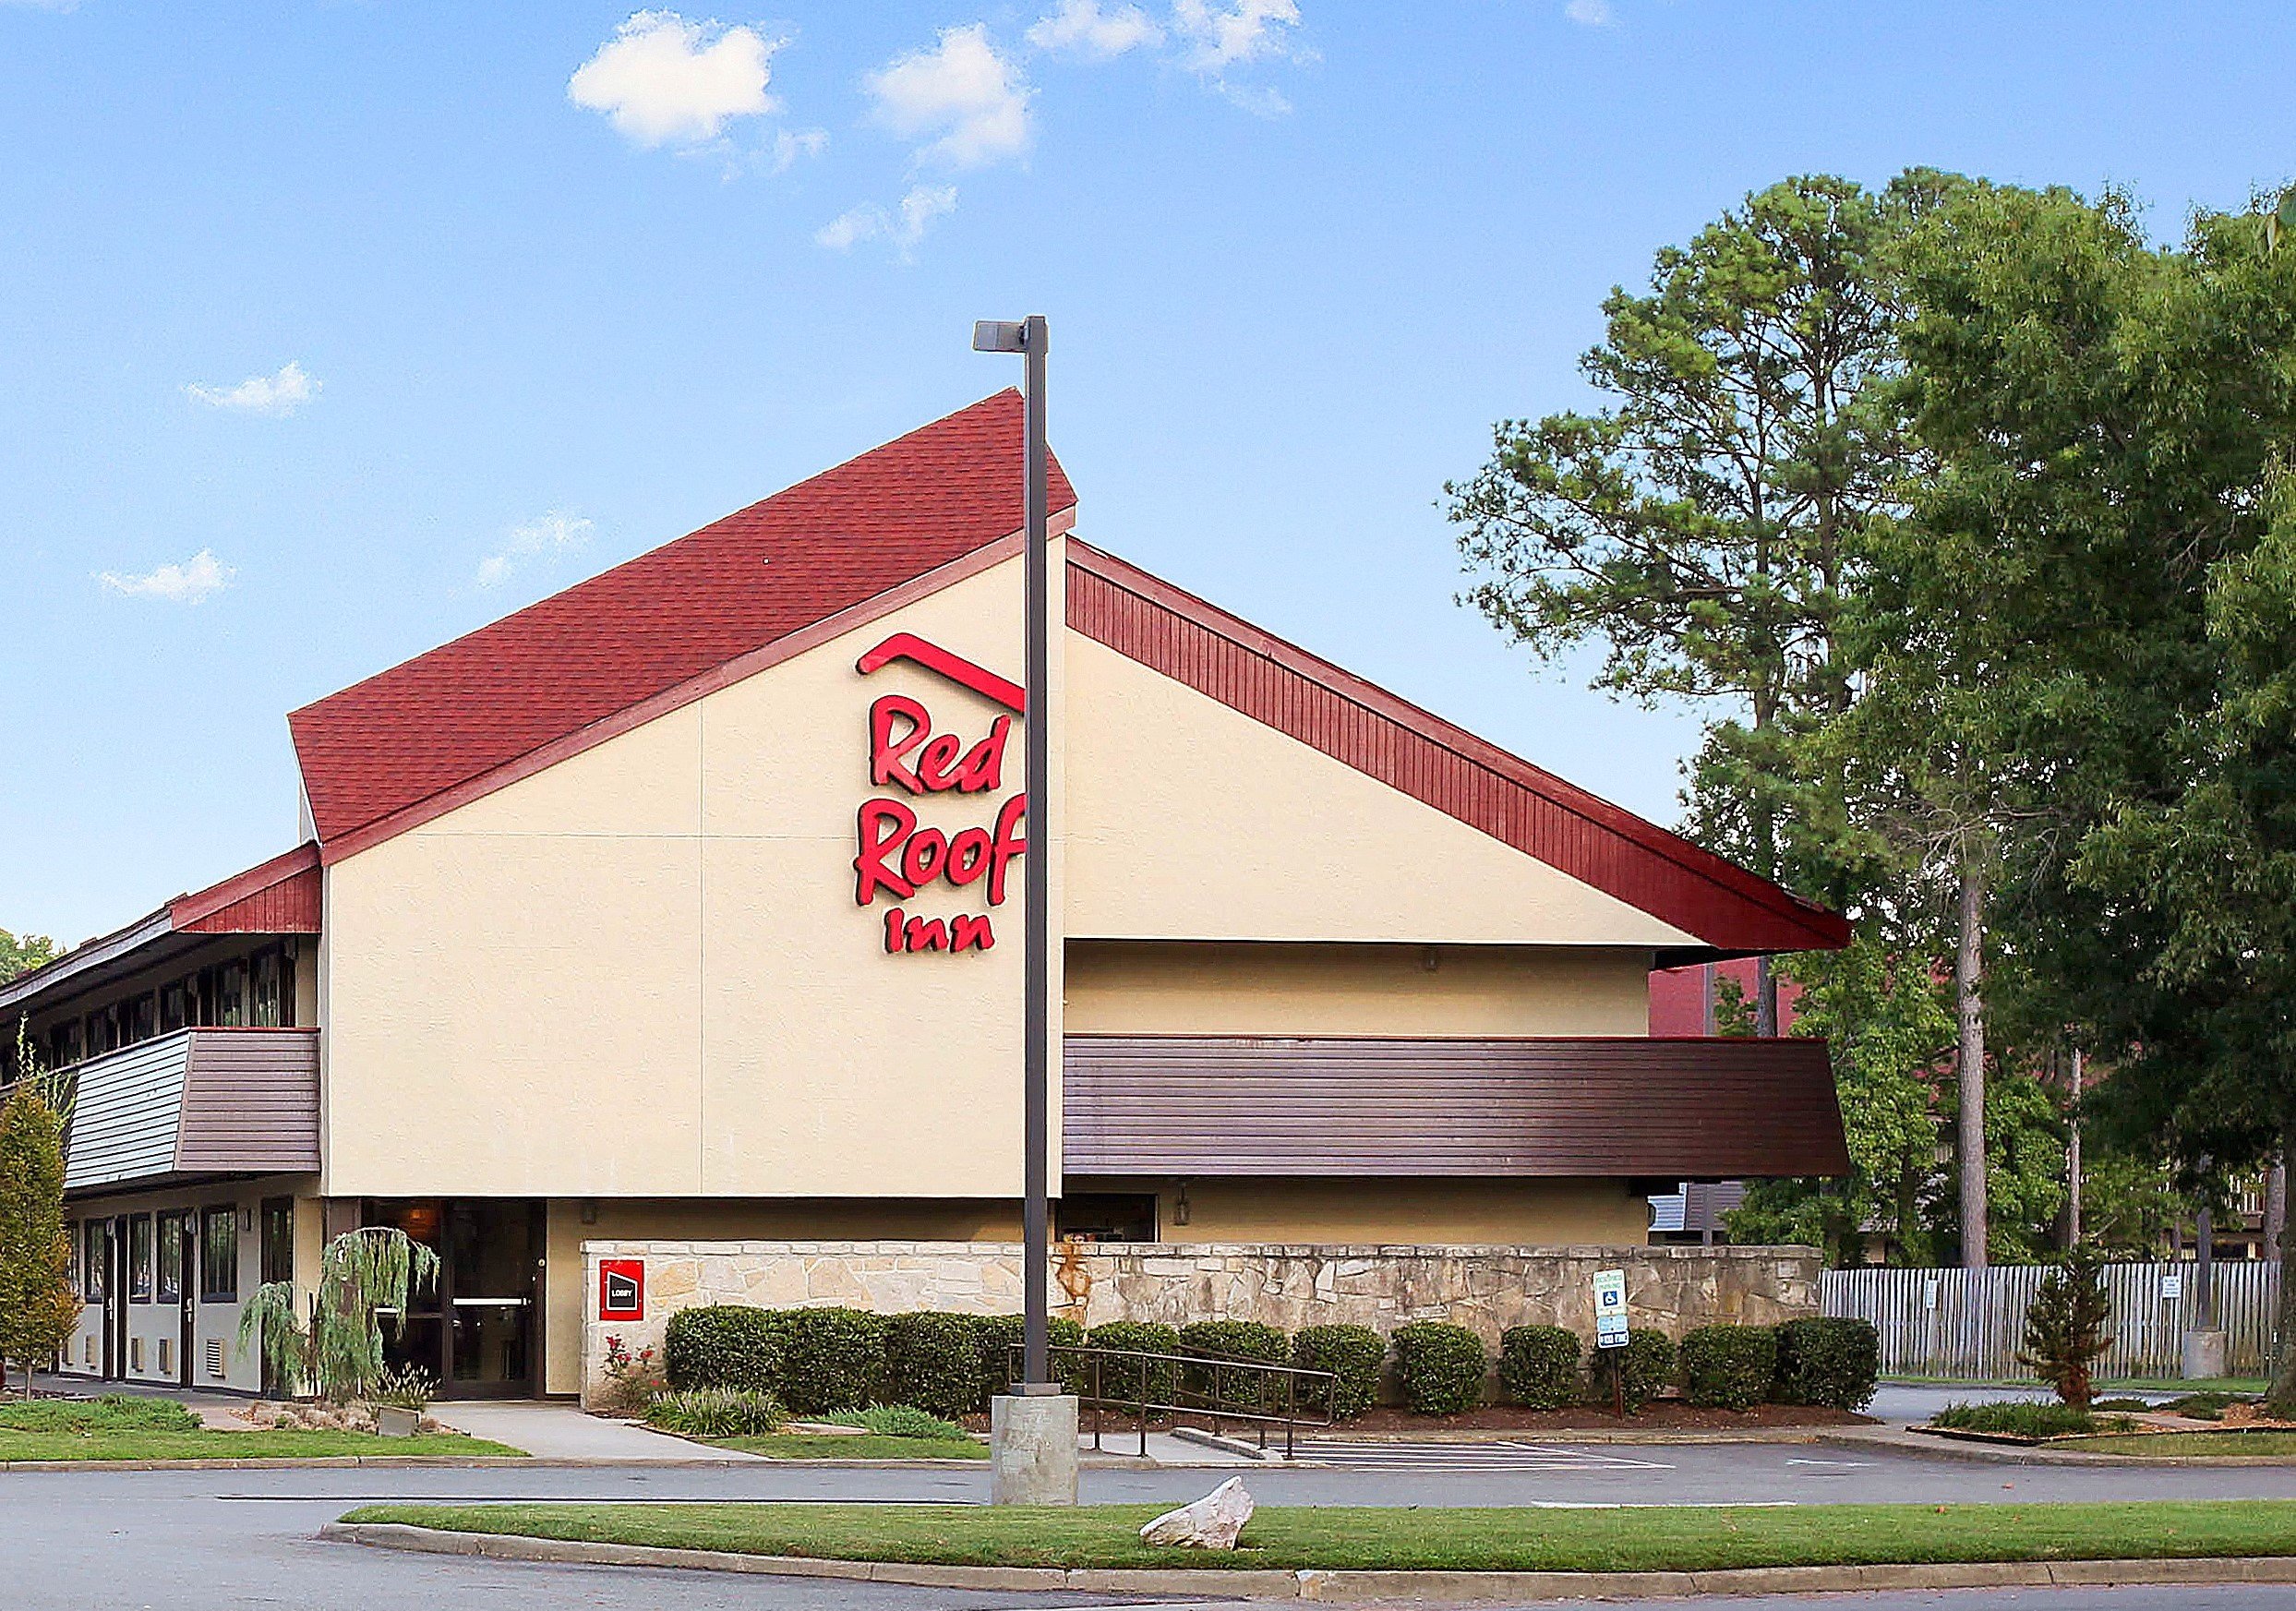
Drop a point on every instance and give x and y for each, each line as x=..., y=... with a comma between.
x=2073, y=1160
x=2274, y=1208
x=1969, y=1007
x=1765, y=998
x=2281, y=1400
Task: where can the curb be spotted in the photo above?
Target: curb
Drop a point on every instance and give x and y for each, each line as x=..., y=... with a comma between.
x=1339, y=1587
x=2029, y=1455
x=485, y=1462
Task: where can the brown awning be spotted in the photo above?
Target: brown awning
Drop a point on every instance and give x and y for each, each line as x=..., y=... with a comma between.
x=1223, y=1105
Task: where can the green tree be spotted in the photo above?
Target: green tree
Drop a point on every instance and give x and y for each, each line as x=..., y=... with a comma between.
x=22, y=953
x=1702, y=527
x=2065, y=1326
x=363, y=1274
x=38, y=1307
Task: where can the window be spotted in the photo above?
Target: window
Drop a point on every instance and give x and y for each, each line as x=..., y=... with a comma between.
x=1106, y=1215
x=174, y=1006
x=279, y=1239
x=71, y=1240
x=219, y=1255
x=266, y=1010
x=67, y=1045
x=103, y=1031
x=231, y=995
x=92, y=1288
x=139, y=1259
x=139, y=1018
x=172, y=1242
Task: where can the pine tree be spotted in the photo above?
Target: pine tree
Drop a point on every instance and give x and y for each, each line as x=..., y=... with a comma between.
x=2064, y=1327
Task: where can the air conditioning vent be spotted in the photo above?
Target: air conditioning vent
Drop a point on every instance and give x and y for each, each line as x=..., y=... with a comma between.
x=215, y=1358
x=167, y=1356
x=135, y=1354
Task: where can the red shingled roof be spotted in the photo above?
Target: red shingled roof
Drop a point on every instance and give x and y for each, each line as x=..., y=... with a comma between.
x=482, y=702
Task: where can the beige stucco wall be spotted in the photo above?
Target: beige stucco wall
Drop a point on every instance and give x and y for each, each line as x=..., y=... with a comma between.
x=1189, y=820
x=1180, y=988
x=642, y=971
x=1516, y=1213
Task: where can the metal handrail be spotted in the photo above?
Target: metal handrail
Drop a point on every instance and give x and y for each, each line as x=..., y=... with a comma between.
x=1101, y=1374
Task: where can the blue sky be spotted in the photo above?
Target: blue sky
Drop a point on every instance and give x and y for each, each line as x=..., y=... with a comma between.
x=329, y=331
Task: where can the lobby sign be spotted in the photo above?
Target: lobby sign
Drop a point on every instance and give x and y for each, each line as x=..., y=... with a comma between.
x=897, y=857
x=621, y=1289
x=1610, y=1308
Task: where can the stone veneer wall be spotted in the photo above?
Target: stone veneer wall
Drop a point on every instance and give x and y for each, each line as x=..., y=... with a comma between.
x=1488, y=1289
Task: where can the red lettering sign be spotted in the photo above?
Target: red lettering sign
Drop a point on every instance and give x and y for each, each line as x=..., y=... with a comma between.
x=621, y=1289
x=895, y=855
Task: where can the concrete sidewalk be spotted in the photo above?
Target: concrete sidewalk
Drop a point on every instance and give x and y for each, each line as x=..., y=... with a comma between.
x=563, y=1432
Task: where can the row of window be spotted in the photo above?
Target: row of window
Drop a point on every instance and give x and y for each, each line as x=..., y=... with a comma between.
x=174, y=1250
x=246, y=991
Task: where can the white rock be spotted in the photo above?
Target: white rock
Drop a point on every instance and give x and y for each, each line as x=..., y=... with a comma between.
x=1211, y=1523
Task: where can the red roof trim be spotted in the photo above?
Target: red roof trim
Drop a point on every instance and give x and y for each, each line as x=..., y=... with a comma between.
x=280, y=896
x=683, y=694
x=1388, y=738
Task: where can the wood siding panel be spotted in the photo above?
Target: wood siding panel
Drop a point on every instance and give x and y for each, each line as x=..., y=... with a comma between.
x=124, y=1114
x=1187, y=1104
x=282, y=896
x=251, y=1103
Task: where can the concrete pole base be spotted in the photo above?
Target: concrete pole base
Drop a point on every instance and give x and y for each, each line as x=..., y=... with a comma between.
x=1032, y=1449
x=2203, y=1354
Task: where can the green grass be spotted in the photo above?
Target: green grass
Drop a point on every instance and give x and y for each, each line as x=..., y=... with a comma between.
x=121, y=1427
x=1470, y=1540
x=2017, y=1418
x=2188, y=1443
x=856, y=1445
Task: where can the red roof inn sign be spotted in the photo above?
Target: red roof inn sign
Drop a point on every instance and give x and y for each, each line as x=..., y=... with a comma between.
x=897, y=857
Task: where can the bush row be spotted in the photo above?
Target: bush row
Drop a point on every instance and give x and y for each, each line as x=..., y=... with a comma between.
x=819, y=1360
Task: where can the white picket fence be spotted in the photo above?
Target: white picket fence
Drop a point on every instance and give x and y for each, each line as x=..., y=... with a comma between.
x=1967, y=1325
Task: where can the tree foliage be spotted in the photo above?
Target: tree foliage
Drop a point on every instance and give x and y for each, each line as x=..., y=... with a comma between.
x=22, y=954
x=2066, y=1326
x=362, y=1275
x=38, y=1306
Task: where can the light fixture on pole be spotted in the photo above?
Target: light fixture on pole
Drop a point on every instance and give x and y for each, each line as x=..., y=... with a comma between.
x=1034, y=1454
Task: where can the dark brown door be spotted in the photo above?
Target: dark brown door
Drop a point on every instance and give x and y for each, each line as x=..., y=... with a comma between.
x=115, y=1298
x=188, y=1299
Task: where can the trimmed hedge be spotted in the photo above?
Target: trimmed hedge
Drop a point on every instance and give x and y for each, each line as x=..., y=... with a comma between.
x=1833, y=1363
x=1441, y=1367
x=1538, y=1366
x=832, y=1359
x=1224, y=1388
x=996, y=1336
x=1729, y=1367
x=1129, y=1378
x=933, y=1363
x=724, y=1345
x=1644, y=1367
x=1353, y=1355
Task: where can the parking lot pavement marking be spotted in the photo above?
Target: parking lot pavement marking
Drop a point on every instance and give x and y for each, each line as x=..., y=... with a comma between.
x=1503, y=1455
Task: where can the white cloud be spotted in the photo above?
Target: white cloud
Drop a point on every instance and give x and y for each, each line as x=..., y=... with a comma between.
x=188, y=583
x=274, y=395
x=1220, y=37
x=553, y=534
x=964, y=91
x=664, y=79
x=903, y=227
x=789, y=147
x=1081, y=28
x=1590, y=13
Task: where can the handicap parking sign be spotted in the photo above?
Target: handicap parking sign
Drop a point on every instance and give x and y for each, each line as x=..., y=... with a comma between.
x=1610, y=1308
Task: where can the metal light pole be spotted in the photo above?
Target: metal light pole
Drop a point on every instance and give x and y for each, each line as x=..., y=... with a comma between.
x=1035, y=1462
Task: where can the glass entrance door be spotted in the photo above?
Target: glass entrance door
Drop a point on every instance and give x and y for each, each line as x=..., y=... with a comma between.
x=474, y=1330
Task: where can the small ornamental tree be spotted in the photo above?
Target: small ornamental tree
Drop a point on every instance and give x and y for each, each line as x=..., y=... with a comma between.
x=38, y=1306
x=2064, y=1327
x=339, y=1355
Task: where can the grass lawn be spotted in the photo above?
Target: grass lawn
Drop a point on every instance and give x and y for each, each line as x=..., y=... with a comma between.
x=121, y=1427
x=2183, y=1443
x=859, y=1445
x=1475, y=1540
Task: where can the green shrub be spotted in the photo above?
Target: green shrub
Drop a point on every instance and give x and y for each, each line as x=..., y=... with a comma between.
x=897, y=1421
x=1353, y=1355
x=1441, y=1367
x=725, y=1345
x=2202, y=1406
x=1833, y=1363
x=1638, y=1373
x=933, y=1361
x=1729, y=1367
x=1538, y=1365
x=715, y=1412
x=2018, y=1418
x=1122, y=1378
x=1225, y=1388
x=832, y=1359
x=998, y=1338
